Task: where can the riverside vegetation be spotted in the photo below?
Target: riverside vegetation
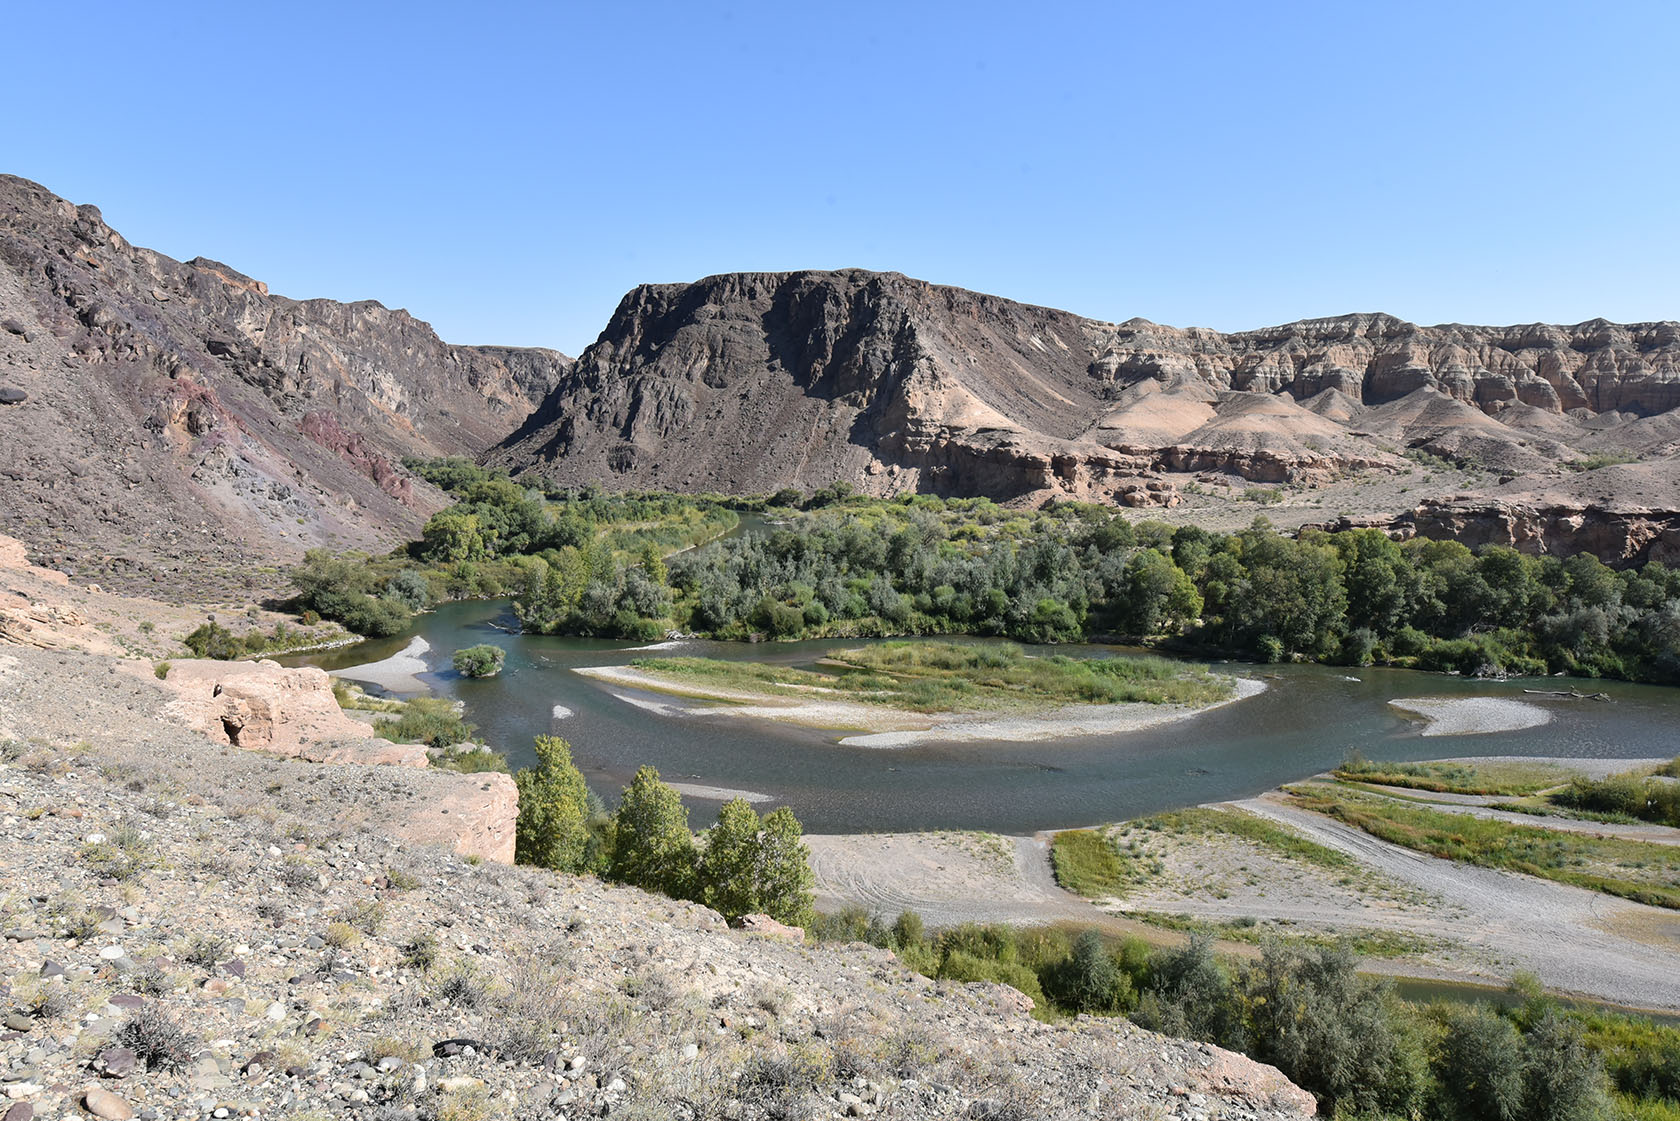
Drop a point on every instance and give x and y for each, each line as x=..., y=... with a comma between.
x=947, y=677
x=838, y=565
x=1364, y=1052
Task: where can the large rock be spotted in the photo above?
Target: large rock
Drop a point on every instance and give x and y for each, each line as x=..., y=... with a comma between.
x=265, y=706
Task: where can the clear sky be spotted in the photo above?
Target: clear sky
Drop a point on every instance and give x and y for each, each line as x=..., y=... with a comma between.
x=507, y=171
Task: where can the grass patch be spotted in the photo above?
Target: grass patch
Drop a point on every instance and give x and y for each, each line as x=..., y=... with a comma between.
x=1365, y=943
x=1087, y=863
x=1202, y=821
x=1637, y=870
x=1513, y=779
x=954, y=677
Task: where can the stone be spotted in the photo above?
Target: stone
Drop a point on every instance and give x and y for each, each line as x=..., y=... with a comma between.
x=103, y=1103
x=764, y=924
x=17, y=1021
x=118, y=1062
x=19, y=1111
x=12, y=396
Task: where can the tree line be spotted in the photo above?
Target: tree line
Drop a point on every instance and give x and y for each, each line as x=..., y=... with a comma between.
x=834, y=564
x=744, y=864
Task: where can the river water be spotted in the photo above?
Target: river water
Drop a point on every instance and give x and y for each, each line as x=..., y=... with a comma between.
x=1308, y=720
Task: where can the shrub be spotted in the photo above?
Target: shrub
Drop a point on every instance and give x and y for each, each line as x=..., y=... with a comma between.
x=212, y=640
x=205, y=950
x=432, y=721
x=652, y=846
x=156, y=1040
x=161, y=670
x=552, y=829
x=482, y=660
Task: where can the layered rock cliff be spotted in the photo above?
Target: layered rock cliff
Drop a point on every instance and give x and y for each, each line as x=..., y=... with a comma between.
x=179, y=420
x=749, y=382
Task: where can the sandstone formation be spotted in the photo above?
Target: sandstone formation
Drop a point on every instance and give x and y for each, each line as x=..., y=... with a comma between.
x=171, y=423
x=263, y=706
x=750, y=382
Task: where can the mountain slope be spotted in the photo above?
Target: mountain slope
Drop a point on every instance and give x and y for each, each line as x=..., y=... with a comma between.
x=181, y=421
x=748, y=382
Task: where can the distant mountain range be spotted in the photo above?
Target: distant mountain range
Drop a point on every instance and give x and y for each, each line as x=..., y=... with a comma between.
x=180, y=421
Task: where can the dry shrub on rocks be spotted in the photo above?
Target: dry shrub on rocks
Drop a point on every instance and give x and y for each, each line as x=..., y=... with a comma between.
x=156, y=1040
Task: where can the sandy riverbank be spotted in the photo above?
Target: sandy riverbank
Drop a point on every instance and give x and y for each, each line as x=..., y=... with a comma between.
x=397, y=674
x=1469, y=716
x=880, y=727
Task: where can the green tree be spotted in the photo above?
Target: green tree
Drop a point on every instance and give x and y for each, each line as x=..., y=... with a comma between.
x=483, y=660
x=553, y=809
x=1479, y=1068
x=1565, y=1080
x=652, y=846
x=452, y=535
x=728, y=868
x=785, y=881
x=1331, y=1031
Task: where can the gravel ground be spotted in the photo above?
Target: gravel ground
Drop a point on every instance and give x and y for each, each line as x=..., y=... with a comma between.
x=192, y=931
x=1576, y=941
x=1469, y=716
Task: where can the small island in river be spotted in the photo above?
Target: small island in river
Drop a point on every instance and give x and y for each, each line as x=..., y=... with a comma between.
x=896, y=694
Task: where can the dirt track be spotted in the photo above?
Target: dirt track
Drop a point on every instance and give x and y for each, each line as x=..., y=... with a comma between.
x=1489, y=924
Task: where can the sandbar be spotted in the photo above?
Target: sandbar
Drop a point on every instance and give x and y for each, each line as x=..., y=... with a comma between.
x=876, y=726
x=1470, y=716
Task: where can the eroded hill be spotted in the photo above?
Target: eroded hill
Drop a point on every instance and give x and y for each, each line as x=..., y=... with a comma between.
x=179, y=421
x=751, y=382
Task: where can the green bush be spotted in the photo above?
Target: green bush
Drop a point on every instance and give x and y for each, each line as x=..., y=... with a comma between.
x=482, y=660
x=432, y=721
x=552, y=828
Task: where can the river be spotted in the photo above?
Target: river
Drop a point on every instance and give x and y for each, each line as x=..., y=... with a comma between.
x=1308, y=720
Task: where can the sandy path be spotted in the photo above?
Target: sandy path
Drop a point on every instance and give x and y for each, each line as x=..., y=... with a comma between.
x=881, y=727
x=947, y=878
x=1576, y=940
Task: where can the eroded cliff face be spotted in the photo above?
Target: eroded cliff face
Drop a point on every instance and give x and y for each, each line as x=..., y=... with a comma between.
x=750, y=382
x=180, y=420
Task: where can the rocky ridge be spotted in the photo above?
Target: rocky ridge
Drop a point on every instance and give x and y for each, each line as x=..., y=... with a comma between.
x=179, y=422
x=749, y=382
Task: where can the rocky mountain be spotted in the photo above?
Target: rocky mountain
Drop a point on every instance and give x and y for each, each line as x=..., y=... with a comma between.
x=749, y=382
x=170, y=423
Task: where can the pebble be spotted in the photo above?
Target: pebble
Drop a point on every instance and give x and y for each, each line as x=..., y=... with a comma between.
x=103, y=1103
x=690, y=1050
x=111, y=953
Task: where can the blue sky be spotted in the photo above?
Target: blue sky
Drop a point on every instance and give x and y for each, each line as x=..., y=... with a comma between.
x=507, y=171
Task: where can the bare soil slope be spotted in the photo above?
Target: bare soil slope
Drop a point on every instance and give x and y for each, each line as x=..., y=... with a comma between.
x=178, y=420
